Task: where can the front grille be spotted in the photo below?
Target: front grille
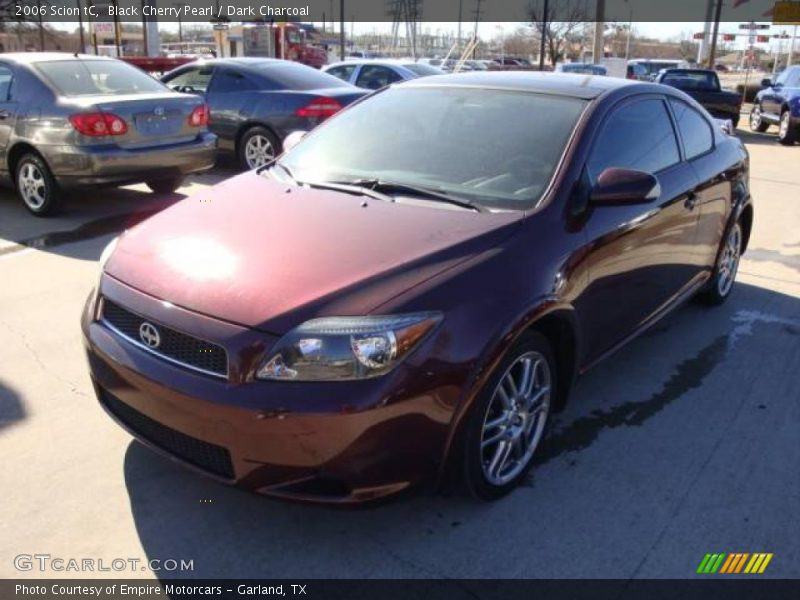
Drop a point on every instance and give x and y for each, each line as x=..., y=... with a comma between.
x=209, y=457
x=175, y=346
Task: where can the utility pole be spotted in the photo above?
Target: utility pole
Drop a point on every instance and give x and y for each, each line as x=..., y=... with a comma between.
x=713, y=52
x=702, y=49
x=599, y=32
x=341, y=29
x=41, y=32
x=80, y=27
x=543, y=37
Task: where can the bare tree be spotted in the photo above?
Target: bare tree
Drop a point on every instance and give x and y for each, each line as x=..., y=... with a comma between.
x=566, y=20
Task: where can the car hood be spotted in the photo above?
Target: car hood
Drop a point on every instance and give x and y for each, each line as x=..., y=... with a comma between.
x=267, y=255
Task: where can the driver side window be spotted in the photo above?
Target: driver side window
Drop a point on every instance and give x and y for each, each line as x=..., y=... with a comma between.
x=194, y=80
x=638, y=135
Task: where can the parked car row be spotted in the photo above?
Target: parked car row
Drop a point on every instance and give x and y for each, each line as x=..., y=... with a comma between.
x=69, y=121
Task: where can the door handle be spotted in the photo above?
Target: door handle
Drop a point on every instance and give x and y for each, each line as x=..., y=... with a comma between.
x=4, y=114
x=691, y=201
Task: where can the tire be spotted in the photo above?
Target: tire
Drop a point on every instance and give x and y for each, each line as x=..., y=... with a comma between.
x=757, y=123
x=36, y=186
x=787, y=135
x=165, y=186
x=720, y=285
x=735, y=121
x=499, y=416
x=257, y=147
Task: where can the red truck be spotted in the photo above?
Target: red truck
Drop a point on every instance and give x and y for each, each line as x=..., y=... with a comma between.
x=286, y=40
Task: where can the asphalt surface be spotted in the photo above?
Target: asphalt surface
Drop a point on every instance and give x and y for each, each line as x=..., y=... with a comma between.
x=684, y=443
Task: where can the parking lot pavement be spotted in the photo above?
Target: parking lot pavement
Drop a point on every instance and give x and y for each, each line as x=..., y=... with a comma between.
x=684, y=443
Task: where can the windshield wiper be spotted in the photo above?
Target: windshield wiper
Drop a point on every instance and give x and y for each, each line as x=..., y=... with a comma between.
x=383, y=185
x=347, y=188
x=282, y=167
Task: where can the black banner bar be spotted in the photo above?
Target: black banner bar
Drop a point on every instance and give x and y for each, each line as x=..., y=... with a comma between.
x=706, y=588
x=622, y=11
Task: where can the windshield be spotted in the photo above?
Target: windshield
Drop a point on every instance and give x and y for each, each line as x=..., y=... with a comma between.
x=703, y=81
x=495, y=148
x=91, y=77
x=422, y=69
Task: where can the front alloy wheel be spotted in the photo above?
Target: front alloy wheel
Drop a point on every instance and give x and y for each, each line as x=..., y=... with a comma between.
x=757, y=123
x=786, y=134
x=727, y=266
x=509, y=421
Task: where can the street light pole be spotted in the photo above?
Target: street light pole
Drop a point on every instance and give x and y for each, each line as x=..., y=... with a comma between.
x=80, y=27
x=545, y=16
x=712, y=53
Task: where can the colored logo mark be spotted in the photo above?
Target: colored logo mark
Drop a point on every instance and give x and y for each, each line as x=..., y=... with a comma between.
x=737, y=562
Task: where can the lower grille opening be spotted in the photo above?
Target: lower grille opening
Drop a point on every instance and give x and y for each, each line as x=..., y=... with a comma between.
x=209, y=457
x=323, y=487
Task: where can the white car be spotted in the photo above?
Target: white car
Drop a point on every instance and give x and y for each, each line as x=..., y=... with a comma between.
x=374, y=74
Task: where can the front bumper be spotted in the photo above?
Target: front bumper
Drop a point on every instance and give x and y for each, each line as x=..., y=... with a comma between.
x=75, y=166
x=342, y=442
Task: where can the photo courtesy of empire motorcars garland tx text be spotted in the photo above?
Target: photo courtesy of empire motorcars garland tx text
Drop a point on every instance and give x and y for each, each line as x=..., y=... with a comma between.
x=370, y=313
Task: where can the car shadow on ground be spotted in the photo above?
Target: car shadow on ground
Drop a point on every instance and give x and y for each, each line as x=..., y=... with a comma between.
x=769, y=138
x=12, y=410
x=89, y=214
x=86, y=216
x=642, y=453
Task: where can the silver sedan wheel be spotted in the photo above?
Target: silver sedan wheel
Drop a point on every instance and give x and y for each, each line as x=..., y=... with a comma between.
x=729, y=261
x=258, y=151
x=515, y=418
x=32, y=186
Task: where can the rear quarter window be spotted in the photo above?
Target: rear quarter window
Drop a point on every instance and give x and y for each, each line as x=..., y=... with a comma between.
x=299, y=77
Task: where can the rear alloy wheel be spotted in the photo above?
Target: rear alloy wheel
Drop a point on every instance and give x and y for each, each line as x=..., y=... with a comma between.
x=36, y=186
x=165, y=186
x=757, y=123
x=787, y=135
x=721, y=284
x=257, y=148
x=509, y=419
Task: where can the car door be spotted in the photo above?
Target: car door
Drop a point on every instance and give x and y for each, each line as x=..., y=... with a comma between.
x=771, y=99
x=8, y=110
x=193, y=79
x=343, y=72
x=230, y=102
x=713, y=192
x=640, y=256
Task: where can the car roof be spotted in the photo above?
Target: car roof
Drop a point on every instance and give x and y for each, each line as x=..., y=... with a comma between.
x=27, y=58
x=567, y=84
x=243, y=61
x=687, y=70
x=397, y=62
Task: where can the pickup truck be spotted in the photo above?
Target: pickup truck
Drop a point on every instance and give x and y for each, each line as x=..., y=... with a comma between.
x=703, y=86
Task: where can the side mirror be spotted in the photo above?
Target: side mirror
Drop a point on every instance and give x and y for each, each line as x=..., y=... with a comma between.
x=616, y=187
x=765, y=83
x=291, y=140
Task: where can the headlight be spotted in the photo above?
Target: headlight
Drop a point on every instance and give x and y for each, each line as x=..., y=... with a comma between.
x=107, y=252
x=104, y=256
x=342, y=348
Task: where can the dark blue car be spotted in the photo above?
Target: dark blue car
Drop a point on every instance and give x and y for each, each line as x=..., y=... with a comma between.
x=779, y=104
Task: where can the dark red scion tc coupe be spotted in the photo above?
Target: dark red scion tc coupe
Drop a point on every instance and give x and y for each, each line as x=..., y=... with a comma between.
x=412, y=289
